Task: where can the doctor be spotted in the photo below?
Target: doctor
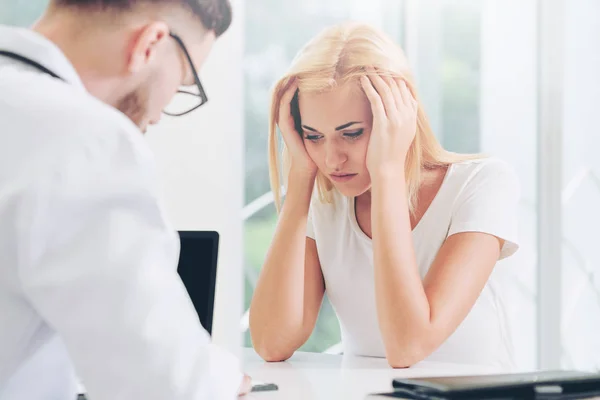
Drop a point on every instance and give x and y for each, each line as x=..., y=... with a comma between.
x=88, y=280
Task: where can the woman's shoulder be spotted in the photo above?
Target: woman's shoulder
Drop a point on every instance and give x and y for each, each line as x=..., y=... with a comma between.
x=485, y=164
x=482, y=178
x=486, y=199
x=478, y=171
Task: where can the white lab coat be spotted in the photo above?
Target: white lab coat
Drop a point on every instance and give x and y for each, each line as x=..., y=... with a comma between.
x=87, y=258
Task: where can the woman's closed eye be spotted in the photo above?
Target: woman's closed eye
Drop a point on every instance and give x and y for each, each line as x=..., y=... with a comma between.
x=349, y=135
x=355, y=134
x=312, y=137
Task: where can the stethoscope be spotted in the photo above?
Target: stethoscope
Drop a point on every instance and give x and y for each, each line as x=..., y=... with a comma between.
x=29, y=62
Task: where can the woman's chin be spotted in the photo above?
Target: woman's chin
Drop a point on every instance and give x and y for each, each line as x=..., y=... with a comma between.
x=349, y=190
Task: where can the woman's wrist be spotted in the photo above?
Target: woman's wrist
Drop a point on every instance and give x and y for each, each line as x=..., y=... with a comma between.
x=299, y=190
x=305, y=176
x=387, y=176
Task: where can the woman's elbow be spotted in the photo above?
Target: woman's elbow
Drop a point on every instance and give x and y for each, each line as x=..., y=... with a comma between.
x=268, y=349
x=271, y=353
x=408, y=356
x=400, y=362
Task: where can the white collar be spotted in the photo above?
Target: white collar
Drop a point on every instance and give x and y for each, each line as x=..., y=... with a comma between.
x=32, y=45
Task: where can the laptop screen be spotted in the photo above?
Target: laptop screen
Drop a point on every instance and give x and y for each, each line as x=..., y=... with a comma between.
x=198, y=271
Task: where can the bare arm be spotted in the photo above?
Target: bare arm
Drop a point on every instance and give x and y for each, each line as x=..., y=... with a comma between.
x=433, y=308
x=290, y=289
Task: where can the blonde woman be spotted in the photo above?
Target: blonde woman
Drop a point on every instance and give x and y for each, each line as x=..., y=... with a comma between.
x=402, y=234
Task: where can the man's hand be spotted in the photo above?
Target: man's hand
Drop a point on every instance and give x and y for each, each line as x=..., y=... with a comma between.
x=246, y=386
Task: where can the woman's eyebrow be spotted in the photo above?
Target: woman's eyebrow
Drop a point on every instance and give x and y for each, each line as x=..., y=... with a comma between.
x=349, y=124
x=339, y=128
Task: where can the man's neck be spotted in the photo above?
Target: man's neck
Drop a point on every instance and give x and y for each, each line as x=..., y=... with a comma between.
x=88, y=53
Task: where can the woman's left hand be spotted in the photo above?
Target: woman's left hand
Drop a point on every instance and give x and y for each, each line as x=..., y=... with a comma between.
x=394, y=123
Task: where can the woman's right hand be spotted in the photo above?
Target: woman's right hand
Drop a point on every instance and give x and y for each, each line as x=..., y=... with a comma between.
x=301, y=161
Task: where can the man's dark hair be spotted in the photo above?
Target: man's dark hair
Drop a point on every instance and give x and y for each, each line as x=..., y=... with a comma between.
x=215, y=15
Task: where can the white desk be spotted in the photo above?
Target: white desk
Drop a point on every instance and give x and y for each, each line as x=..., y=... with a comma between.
x=313, y=376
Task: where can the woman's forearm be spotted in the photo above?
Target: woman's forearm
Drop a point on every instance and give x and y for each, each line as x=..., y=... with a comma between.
x=277, y=308
x=402, y=305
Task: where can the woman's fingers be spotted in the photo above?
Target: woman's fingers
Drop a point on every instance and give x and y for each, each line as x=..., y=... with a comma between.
x=393, y=93
x=407, y=97
x=377, y=106
x=286, y=99
x=385, y=93
x=395, y=88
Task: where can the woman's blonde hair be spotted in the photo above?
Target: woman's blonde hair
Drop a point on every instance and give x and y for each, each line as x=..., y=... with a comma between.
x=339, y=55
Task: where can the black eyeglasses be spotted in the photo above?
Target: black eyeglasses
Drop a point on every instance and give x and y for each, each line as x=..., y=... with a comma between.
x=186, y=101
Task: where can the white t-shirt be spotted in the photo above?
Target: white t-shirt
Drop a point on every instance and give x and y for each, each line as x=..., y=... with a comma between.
x=475, y=196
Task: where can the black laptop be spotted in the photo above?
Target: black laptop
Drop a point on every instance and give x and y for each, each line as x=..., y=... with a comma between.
x=547, y=385
x=198, y=271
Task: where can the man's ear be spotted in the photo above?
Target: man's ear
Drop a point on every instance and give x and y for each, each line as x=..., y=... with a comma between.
x=145, y=45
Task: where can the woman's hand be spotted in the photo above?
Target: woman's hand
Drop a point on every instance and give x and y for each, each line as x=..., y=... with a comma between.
x=301, y=162
x=394, y=123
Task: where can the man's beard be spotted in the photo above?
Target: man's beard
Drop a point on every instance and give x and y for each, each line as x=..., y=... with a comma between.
x=135, y=106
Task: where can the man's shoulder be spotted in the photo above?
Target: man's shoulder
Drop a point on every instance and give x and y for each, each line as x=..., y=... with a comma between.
x=79, y=112
x=57, y=106
x=67, y=125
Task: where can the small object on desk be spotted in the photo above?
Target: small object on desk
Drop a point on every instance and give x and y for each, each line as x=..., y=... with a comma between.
x=263, y=387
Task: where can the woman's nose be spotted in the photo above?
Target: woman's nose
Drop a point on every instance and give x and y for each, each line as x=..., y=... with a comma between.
x=335, y=157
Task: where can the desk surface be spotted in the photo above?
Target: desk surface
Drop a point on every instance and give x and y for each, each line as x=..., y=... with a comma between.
x=314, y=376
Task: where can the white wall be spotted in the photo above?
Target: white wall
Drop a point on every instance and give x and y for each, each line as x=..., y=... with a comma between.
x=200, y=161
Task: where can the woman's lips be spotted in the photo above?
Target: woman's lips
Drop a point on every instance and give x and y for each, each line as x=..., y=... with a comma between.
x=342, y=177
